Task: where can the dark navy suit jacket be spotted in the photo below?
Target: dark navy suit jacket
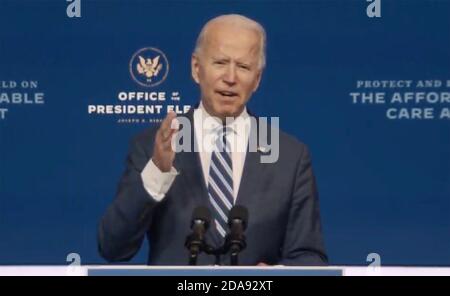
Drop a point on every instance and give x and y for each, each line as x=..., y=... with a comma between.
x=284, y=222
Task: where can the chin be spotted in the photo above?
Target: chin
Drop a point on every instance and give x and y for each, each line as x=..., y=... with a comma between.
x=228, y=112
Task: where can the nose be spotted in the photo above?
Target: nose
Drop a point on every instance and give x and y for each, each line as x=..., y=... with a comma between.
x=229, y=76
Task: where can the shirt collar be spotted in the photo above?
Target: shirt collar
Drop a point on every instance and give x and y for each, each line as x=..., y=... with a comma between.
x=213, y=124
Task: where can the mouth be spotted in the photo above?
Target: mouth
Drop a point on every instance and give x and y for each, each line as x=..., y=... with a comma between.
x=227, y=94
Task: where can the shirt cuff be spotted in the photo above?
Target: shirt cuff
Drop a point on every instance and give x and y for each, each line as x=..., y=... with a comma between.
x=157, y=183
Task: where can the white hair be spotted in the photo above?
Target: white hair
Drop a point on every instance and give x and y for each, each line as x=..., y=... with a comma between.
x=242, y=21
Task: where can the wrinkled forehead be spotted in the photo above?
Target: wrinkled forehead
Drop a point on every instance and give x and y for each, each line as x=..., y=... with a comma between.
x=232, y=38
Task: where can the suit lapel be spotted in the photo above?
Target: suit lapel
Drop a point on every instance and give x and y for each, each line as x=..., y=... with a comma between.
x=253, y=171
x=189, y=167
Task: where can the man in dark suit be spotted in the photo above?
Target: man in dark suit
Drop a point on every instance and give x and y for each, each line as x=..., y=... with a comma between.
x=160, y=187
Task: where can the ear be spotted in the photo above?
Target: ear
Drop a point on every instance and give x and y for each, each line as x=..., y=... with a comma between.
x=258, y=80
x=195, y=68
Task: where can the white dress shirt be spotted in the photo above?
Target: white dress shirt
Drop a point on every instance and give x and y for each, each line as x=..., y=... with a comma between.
x=157, y=183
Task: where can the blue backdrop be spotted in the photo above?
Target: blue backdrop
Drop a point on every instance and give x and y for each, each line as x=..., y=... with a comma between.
x=384, y=184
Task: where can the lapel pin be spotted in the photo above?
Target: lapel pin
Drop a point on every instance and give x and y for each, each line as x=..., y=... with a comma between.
x=263, y=149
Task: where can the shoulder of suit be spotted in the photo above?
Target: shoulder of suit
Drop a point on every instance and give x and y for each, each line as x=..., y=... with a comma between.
x=287, y=139
x=290, y=140
x=291, y=144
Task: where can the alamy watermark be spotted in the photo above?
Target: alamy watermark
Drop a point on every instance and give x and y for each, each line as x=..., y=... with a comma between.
x=73, y=8
x=263, y=137
x=374, y=8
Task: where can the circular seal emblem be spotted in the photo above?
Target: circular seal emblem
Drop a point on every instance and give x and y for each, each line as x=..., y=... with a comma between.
x=149, y=67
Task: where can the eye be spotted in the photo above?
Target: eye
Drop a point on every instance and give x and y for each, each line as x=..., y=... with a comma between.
x=244, y=67
x=219, y=62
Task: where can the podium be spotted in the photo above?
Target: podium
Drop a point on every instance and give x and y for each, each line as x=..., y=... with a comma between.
x=212, y=271
x=217, y=271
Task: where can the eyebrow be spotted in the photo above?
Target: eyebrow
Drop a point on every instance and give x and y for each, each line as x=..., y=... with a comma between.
x=215, y=58
x=245, y=63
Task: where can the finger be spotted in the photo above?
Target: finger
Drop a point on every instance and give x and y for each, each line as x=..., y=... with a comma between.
x=167, y=144
x=262, y=264
x=166, y=139
x=168, y=134
x=175, y=124
x=165, y=125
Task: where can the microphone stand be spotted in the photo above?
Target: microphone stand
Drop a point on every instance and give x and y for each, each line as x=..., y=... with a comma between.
x=234, y=256
x=216, y=252
x=235, y=241
x=194, y=249
x=195, y=242
x=234, y=246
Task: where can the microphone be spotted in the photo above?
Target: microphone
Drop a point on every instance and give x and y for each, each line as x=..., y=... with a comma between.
x=195, y=242
x=235, y=240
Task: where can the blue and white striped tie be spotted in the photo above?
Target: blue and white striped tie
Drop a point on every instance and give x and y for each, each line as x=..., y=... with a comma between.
x=220, y=182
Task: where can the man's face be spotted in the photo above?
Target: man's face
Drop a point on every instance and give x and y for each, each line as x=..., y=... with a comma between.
x=227, y=69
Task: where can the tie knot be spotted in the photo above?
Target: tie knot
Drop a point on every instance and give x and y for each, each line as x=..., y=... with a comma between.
x=222, y=142
x=225, y=130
